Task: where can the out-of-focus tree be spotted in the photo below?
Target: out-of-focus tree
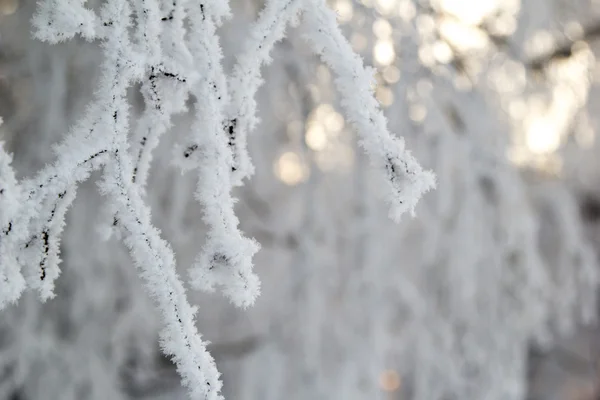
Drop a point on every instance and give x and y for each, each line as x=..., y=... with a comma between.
x=496, y=97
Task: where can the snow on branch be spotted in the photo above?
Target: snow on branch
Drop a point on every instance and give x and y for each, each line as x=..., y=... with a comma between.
x=168, y=76
x=60, y=20
x=99, y=139
x=165, y=86
x=12, y=282
x=155, y=259
x=226, y=258
x=85, y=149
x=172, y=49
x=405, y=179
x=246, y=79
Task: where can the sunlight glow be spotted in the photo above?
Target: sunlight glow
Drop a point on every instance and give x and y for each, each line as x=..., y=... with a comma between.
x=384, y=52
x=334, y=123
x=382, y=28
x=548, y=120
x=390, y=381
x=345, y=10
x=315, y=137
x=406, y=10
x=385, y=96
x=290, y=169
x=323, y=111
x=541, y=136
x=541, y=42
x=326, y=137
x=503, y=25
x=426, y=56
x=417, y=113
x=324, y=125
x=442, y=52
x=385, y=7
x=471, y=12
x=425, y=24
x=391, y=74
x=8, y=7
x=462, y=37
x=517, y=109
x=573, y=30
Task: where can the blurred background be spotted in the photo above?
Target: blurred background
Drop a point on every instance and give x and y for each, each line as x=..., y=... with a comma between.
x=489, y=293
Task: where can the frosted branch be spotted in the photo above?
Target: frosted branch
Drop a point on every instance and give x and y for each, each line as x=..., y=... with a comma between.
x=60, y=20
x=226, y=258
x=173, y=50
x=165, y=86
x=405, y=180
x=99, y=139
x=12, y=282
x=246, y=79
x=154, y=257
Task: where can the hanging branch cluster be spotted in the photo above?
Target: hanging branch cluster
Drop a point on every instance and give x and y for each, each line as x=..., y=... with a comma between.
x=172, y=49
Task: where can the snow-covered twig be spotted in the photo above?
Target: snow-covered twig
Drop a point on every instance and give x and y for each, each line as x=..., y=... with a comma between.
x=172, y=58
x=246, y=79
x=165, y=86
x=11, y=279
x=405, y=180
x=226, y=258
x=99, y=139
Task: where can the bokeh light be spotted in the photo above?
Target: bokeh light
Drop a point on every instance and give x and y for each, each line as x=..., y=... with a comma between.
x=471, y=12
x=390, y=381
x=290, y=169
x=384, y=52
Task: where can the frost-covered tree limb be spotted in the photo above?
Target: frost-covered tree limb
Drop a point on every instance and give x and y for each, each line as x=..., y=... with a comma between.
x=246, y=79
x=172, y=49
x=404, y=177
x=102, y=134
x=11, y=279
x=226, y=259
x=166, y=83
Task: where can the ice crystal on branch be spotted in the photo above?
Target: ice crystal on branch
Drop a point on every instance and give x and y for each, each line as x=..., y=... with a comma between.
x=172, y=49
